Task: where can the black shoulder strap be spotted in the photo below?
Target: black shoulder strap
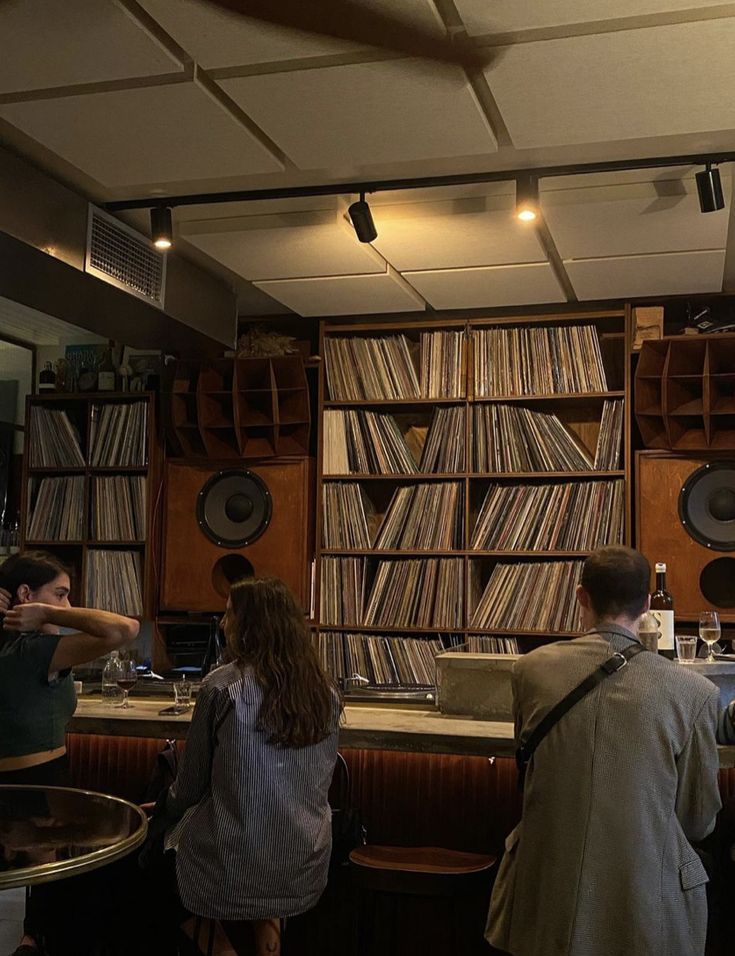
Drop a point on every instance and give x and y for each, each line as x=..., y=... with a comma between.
x=611, y=666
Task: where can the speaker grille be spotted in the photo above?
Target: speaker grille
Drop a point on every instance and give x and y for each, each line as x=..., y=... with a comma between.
x=234, y=508
x=124, y=258
x=707, y=505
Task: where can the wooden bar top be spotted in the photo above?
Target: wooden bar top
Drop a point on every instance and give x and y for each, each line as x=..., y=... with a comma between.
x=364, y=727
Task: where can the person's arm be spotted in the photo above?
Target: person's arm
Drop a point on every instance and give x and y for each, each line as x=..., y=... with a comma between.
x=726, y=725
x=698, y=796
x=194, y=775
x=98, y=632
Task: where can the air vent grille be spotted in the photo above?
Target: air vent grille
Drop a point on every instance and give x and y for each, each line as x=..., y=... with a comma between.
x=121, y=256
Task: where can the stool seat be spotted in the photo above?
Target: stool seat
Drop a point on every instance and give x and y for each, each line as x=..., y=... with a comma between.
x=421, y=859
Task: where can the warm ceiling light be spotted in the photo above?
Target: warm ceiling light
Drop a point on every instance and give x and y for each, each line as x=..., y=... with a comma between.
x=709, y=188
x=362, y=220
x=526, y=198
x=162, y=232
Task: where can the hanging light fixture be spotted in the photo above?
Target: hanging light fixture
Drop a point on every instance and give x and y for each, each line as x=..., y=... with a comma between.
x=526, y=198
x=362, y=220
x=162, y=232
x=709, y=188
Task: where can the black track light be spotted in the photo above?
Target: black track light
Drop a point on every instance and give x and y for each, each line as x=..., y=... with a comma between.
x=362, y=220
x=162, y=232
x=526, y=197
x=709, y=188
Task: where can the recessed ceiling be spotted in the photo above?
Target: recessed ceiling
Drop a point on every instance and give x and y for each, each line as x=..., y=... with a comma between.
x=346, y=295
x=217, y=39
x=54, y=44
x=158, y=134
x=136, y=98
x=366, y=113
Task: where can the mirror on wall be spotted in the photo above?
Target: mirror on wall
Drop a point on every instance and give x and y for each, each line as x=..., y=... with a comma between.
x=17, y=368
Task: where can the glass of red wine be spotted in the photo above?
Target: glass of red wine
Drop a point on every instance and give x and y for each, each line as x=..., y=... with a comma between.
x=127, y=676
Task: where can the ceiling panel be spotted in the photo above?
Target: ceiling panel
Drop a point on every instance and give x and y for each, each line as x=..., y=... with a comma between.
x=74, y=41
x=658, y=81
x=285, y=247
x=346, y=295
x=366, y=113
x=488, y=287
x=470, y=232
x=215, y=39
x=160, y=134
x=631, y=220
x=505, y=16
x=676, y=273
x=29, y=325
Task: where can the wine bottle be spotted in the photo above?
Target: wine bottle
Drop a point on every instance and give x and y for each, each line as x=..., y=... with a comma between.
x=47, y=378
x=662, y=608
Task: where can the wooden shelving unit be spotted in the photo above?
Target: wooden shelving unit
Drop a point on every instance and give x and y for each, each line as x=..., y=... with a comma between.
x=240, y=408
x=685, y=393
x=80, y=408
x=579, y=411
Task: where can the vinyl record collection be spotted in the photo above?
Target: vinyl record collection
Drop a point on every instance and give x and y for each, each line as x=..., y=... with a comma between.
x=364, y=442
x=118, y=436
x=114, y=581
x=118, y=508
x=416, y=593
x=54, y=440
x=345, y=515
x=607, y=455
x=537, y=360
x=382, y=368
x=58, y=510
x=383, y=660
x=442, y=364
x=510, y=438
x=422, y=518
x=530, y=596
x=342, y=590
x=484, y=644
x=563, y=516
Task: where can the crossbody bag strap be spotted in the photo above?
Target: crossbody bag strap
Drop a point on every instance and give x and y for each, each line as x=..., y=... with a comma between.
x=611, y=666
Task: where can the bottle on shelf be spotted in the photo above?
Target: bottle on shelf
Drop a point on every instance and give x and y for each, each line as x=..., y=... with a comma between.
x=648, y=632
x=662, y=608
x=106, y=376
x=47, y=378
x=111, y=693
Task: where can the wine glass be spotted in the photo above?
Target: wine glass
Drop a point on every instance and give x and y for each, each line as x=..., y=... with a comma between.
x=709, y=631
x=126, y=678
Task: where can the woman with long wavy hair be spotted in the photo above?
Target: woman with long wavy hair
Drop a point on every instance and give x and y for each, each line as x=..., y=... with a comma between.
x=253, y=837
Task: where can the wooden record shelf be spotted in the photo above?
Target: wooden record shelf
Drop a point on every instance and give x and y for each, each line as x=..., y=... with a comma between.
x=240, y=408
x=684, y=393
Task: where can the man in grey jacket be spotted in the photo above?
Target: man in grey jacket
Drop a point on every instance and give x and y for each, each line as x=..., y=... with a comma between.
x=602, y=862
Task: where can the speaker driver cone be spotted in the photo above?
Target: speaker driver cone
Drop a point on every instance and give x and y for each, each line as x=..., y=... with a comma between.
x=707, y=505
x=234, y=508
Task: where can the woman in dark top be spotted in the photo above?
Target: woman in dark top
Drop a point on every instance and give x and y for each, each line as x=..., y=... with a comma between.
x=36, y=687
x=253, y=836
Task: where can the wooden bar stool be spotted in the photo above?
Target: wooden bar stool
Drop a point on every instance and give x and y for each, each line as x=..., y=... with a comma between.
x=424, y=871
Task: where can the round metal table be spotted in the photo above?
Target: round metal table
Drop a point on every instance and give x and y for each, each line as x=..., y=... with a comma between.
x=49, y=833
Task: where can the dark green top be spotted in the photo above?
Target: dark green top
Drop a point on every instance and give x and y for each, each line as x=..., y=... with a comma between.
x=34, y=710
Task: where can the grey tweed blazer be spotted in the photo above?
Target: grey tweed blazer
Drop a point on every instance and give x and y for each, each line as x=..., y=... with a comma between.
x=602, y=863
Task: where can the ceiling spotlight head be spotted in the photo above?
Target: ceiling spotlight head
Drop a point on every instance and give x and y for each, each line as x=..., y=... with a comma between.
x=362, y=220
x=709, y=188
x=162, y=232
x=527, y=206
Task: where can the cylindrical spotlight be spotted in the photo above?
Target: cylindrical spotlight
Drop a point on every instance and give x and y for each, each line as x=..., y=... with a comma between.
x=526, y=198
x=709, y=188
x=162, y=231
x=362, y=220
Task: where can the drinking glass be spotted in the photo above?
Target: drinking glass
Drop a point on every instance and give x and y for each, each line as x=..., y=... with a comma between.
x=182, y=692
x=709, y=631
x=686, y=648
x=127, y=677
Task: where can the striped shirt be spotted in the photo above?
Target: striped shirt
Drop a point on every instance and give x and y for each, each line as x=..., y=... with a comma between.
x=254, y=836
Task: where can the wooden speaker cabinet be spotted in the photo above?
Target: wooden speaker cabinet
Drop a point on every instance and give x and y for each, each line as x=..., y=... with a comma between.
x=685, y=516
x=223, y=523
